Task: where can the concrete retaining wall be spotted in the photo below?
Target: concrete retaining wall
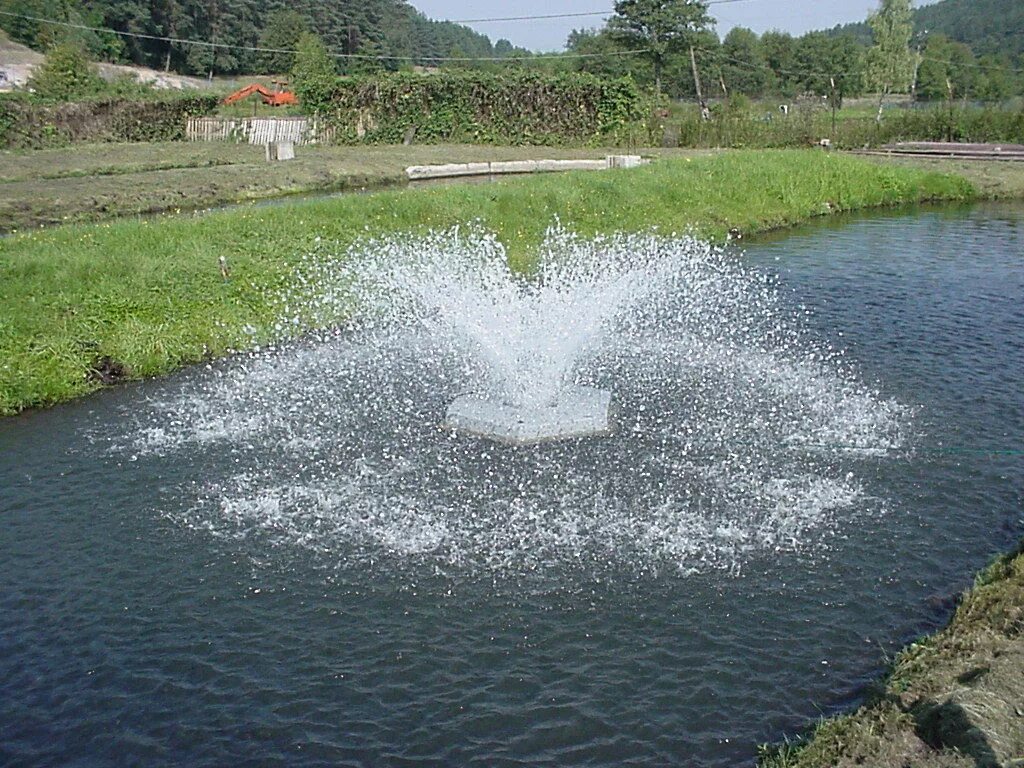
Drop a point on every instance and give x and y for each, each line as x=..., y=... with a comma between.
x=451, y=170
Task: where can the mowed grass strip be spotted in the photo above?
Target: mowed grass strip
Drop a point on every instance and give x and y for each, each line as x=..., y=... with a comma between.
x=149, y=294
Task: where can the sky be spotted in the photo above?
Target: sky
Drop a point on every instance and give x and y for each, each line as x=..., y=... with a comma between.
x=795, y=16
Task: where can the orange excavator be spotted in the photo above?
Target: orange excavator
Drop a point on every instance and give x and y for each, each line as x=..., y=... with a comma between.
x=270, y=98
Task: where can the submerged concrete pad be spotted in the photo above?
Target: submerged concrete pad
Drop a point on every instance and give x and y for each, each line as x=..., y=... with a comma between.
x=580, y=412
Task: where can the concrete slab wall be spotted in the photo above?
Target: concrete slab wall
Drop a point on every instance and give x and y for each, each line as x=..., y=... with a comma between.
x=449, y=170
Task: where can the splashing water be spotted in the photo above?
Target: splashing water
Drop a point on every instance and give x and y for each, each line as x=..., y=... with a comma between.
x=526, y=335
x=738, y=433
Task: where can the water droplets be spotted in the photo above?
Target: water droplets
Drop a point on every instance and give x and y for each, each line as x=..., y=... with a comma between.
x=737, y=434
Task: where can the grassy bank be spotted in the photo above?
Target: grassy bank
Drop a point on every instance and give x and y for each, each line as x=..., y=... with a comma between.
x=102, y=181
x=85, y=304
x=993, y=179
x=954, y=699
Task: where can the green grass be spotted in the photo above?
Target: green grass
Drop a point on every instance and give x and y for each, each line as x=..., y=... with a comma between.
x=149, y=293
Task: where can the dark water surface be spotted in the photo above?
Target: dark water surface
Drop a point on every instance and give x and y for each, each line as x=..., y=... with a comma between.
x=133, y=631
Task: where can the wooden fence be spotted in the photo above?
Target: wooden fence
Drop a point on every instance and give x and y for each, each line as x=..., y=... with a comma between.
x=258, y=130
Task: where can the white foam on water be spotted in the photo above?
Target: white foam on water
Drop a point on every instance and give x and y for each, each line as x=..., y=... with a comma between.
x=738, y=435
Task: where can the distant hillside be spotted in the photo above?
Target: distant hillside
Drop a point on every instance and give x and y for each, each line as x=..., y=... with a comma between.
x=987, y=26
x=367, y=28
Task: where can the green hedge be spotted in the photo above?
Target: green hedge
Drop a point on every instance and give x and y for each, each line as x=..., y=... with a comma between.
x=26, y=123
x=512, y=108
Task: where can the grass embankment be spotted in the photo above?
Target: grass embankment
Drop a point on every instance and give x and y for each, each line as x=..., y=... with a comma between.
x=85, y=300
x=103, y=181
x=952, y=700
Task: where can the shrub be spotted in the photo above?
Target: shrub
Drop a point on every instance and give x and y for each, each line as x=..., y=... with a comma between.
x=65, y=74
x=28, y=123
x=314, y=75
x=476, y=107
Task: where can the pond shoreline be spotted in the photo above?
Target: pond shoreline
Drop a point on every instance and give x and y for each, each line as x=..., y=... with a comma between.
x=99, y=304
x=950, y=699
x=143, y=298
x=91, y=183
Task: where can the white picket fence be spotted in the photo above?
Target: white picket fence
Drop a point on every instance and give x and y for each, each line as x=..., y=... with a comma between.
x=258, y=130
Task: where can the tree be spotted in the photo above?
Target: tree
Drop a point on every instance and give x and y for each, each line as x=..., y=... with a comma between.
x=659, y=27
x=829, y=66
x=23, y=27
x=947, y=70
x=602, y=51
x=744, y=68
x=314, y=74
x=370, y=52
x=779, y=51
x=994, y=82
x=390, y=27
x=281, y=33
x=65, y=74
x=890, y=64
x=503, y=48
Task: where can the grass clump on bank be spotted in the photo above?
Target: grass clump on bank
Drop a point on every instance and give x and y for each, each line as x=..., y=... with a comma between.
x=952, y=699
x=83, y=305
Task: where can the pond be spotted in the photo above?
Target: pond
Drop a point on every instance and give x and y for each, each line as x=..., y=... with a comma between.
x=262, y=561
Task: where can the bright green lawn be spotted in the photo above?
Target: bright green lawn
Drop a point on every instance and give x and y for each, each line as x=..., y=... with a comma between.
x=150, y=295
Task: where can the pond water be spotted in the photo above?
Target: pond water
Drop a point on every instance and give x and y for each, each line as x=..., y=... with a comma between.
x=196, y=571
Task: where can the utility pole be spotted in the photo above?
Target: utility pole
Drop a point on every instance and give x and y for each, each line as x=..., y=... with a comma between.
x=949, y=90
x=352, y=39
x=917, y=63
x=704, y=112
x=832, y=82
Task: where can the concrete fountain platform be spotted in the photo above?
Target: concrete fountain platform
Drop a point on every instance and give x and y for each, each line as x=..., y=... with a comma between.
x=580, y=412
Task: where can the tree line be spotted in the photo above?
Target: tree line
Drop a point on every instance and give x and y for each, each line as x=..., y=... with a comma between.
x=692, y=61
x=669, y=46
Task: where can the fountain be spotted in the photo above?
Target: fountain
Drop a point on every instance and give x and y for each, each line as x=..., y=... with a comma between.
x=577, y=412
x=704, y=414
x=530, y=333
x=284, y=552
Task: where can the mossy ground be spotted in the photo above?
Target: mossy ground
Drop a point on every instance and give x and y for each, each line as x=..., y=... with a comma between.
x=148, y=294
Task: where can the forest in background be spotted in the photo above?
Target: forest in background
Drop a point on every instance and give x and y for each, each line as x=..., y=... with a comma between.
x=369, y=28
x=967, y=50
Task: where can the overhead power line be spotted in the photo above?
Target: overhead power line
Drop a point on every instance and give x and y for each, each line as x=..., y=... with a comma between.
x=530, y=18
x=993, y=67
x=852, y=73
x=780, y=70
x=606, y=12
x=361, y=56
x=506, y=59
